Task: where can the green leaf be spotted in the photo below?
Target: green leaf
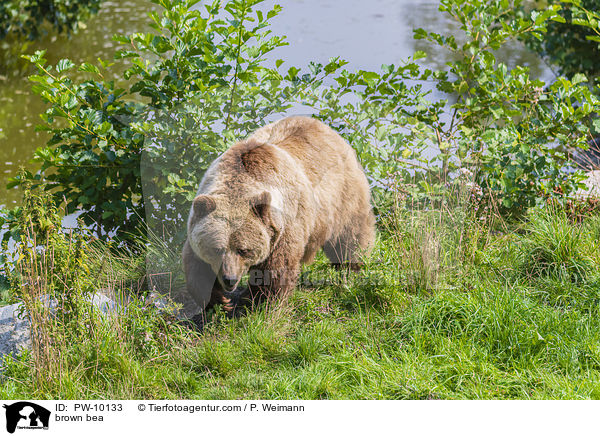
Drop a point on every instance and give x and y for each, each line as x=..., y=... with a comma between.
x=370, y=77
x=87, y=67
x=578, y=78
x=63, y=65
x=419, y=33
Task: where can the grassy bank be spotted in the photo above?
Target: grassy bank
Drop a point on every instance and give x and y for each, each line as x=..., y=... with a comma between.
x=444, y=309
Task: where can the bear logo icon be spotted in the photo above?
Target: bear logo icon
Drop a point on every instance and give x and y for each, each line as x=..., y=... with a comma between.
x=27, y=414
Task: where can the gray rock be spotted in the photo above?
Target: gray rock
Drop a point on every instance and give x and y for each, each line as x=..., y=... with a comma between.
x=103, y=303
x=14, y=330
x=592, y=186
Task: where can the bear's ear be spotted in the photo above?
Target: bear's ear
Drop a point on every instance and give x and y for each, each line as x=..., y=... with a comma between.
x=261, y=206
x=203, y=205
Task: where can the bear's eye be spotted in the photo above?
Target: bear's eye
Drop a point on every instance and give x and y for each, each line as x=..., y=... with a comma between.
x=243, y=252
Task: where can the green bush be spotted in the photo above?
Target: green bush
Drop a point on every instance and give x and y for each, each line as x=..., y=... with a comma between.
x=571, y=43
x=506, y=127
x=93, y=157
x=31, y=18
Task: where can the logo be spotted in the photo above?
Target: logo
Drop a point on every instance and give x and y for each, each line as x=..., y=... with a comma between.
x=26, y=415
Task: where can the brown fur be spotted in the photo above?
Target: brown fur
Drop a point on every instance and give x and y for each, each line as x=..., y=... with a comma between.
x=269, y=203
x=257, y=159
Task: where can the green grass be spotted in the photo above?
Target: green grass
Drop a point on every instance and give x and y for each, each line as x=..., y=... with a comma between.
x=496, y=315
x=4, y=291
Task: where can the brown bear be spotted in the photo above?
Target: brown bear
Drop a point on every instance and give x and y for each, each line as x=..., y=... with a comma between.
x=269, y=203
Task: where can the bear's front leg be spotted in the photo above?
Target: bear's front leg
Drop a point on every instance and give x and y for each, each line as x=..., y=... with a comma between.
x=201, y=281
x=278, y=274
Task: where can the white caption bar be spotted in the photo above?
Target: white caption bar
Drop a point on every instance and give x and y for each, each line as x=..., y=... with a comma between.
x=150, y=417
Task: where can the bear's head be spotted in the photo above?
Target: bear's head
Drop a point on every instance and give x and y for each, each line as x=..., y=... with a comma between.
x=234, y=234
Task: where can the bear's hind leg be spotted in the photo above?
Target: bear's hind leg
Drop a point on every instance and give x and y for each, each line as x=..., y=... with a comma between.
x=356, y=241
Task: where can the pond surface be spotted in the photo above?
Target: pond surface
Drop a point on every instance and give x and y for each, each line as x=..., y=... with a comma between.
x=367, y=34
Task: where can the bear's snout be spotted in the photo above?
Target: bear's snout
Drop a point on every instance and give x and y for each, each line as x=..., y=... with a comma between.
x=229, y=276
x=229, y=281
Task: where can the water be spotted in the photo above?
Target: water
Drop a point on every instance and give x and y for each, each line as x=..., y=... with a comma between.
x=367, y=34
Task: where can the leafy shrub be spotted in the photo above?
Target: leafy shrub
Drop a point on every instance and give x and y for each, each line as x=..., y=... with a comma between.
x=384, y=115
x=93, y=157
x=571, y=42
x=30, y=18
x=50, y=261
x=510, y=130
